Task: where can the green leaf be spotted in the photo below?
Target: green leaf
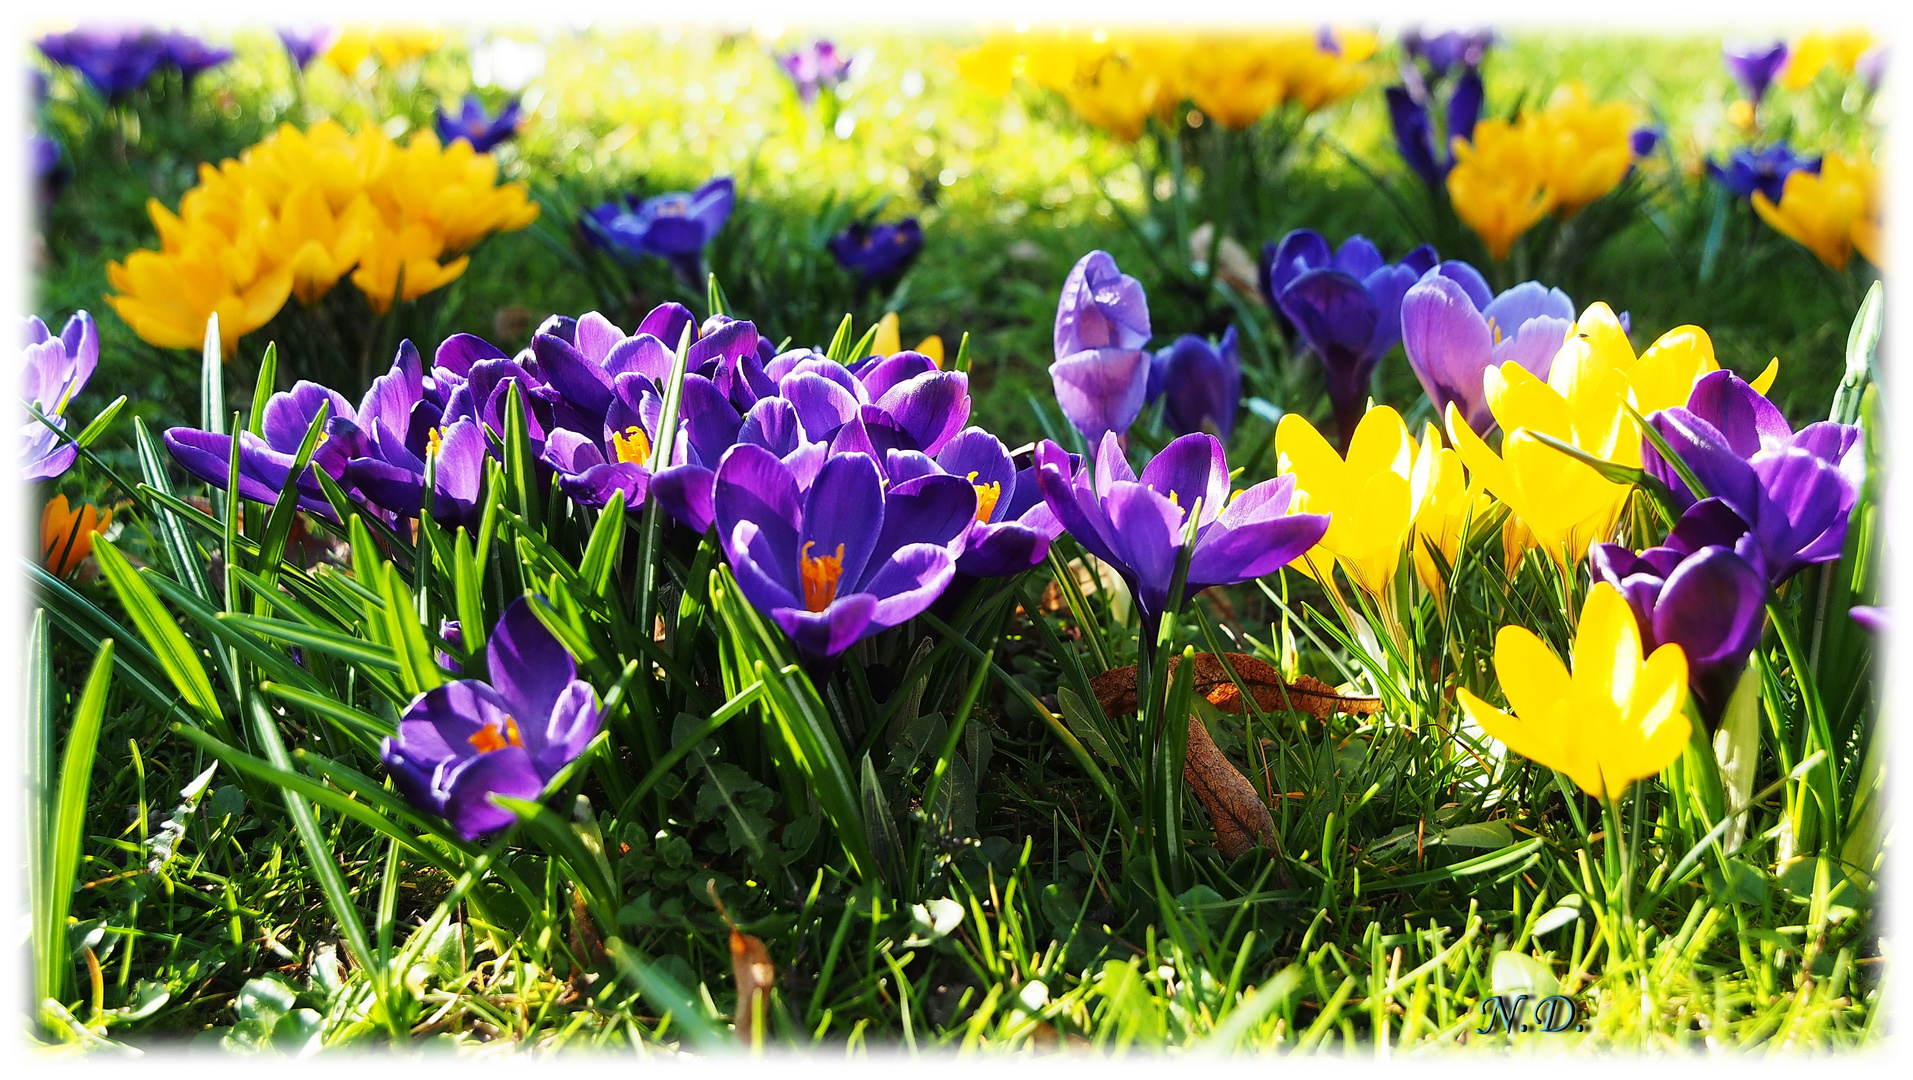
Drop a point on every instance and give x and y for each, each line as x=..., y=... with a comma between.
x=520, y=473
x=715, y=299
x=212, y=381
x=607, y=541
x=962, y=361
x=418, y=663
x=60, y=876
x=100, y=423
x=1863, y=342
x=188, y=559
x=350, y=649
x=176, y=656
x=262, y=388
x=840, y=342
x=353, y=721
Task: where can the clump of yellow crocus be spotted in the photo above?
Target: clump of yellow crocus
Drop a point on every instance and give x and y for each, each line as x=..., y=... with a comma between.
x=889, y=340
x=1812, y=52
x=296, y=213
x=1586, y=147
x=1498, y=185
x=1830, y=213
x=1368, y=495
x=392, y=45
x=1615, y=718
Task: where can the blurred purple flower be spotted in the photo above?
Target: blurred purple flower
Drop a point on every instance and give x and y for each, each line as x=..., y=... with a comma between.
x=476, y=124
x=53, y=370
x=1765, y=171
x=1644, y=140
x=1101, y=373
x=877, y=254
x=304, y=44
x=675, y=227
x=1200, y=383
x=1454, y=329
x=191, y=55
x=1753, y=67
x=1447, y=49
x=115, y=60
x=814, y=67
x=1873, y=619
x=1408, y=114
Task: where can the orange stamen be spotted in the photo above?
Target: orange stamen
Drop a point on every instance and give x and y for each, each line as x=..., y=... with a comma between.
x=820, y=575
x=633, y=445
x=490, y=738
x=986, y=497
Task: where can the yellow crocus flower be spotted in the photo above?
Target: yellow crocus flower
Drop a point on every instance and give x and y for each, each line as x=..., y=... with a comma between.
x=1825, y=213
x=1586, y=148
x=404, y=262
x=1614, y=719
x=1368, y=495
x=1446, y=508
x=990, y=66
x=166, y=298
x=1814, y=51
x=1498, y=185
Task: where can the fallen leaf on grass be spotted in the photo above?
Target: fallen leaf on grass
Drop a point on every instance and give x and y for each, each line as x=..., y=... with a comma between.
x=752, y=970
x=1236, y=812
x=1115, y=689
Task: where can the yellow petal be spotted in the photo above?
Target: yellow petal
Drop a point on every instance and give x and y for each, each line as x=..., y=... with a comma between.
x=1765, y=380
x=932, y=347
x=887, y=342
x=1607, y=646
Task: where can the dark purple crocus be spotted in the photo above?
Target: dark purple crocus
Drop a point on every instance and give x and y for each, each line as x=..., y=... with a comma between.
x=1753, y=67
x=1136, y=524
x=464, y=741
x=1445, y=50
x=1454, y=329
x=877, y=254
x=676, y=227
x=1347, y=307
x=304, y=44
x=1792, y=490
x=1711, y=602
x=1644, y=140
x=1101, y=373
x=475, y=124
x=115, y=60
x=1765, y=171
x=845, y=559
x=592, y=468
x=1409, y=106
x=1200, y=383
x=191, y=56
x=817, y=66
x=1013, y=526
x=266, y=459
x=53, y=370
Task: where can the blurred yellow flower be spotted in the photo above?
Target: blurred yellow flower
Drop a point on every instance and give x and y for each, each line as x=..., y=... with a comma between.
x=1556, y=159
x=1586, y=147
x=1829, y=213
x=393, y=46
x=1498, y=185
x=1814, y=51
x=1368, y=495
x=66, y=534
x=295, y=214
x=889, y=340
x=1446, y=506
x=1614, y=719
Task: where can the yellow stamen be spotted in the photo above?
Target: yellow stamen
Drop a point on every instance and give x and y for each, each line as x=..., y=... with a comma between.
x=1495, y=329
x=986, y=496
x=433, y=439
x=633, y=445
x=489, y=738
x=820, y=575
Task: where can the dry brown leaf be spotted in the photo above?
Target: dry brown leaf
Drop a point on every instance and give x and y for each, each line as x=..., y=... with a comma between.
x=1115, y=689
x=1236, y=812
x=752, y=970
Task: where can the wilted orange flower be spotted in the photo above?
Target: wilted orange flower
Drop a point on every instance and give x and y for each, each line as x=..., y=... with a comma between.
x=66, y=535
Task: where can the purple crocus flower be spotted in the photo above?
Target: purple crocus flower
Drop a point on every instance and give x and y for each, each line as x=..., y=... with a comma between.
x=1408, y=114
x=1136, y=524
x=1447, y=49
x=819, y=65
x=191, y=56
x=464, y=741
x=115, y=60
x=675, y=227
x=1199, y=382
x=1454, y=329
x=1872, y=619
x=476, y=125
x=581, y=366
x=266, y=459
x=1013, y=526
x=1101, y=373
x=1765, y=171
x=1347, y=307
x=592, y=468
x=1644, y=140
x=1792, y=490
x=877, y=254
x=1753, y=67
x=304, y=44
x=1711, y=602
x=53, y=369
x=845, y=559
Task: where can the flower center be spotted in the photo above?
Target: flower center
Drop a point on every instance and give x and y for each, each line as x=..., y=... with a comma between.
x=434, y=439
x=633, y=445
x=986, y=496
x=492, y=737
x=820, y=575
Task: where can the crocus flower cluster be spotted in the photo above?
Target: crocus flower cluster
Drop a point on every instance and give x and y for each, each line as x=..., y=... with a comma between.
x=675, y=227
x=877, y=253
x=509, y=734
x=814, y=67
x=393, y=46
x=1346, y=306
x=1118, y=81
x=118, y=61
x=1438, y=53
x=1830, y=211
x=1614, y=718
x=53, y=370
x=477, y=125
x=1101, y=373
x=1747, y=171
x=1508, y=176
x=302, y=209
x=1845, y=51
x=1454, y=329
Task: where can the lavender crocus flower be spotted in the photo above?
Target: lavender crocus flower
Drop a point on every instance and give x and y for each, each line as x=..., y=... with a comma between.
x=465, y=741
x=1200, y=383
x=1136, y=524
x=675, y=227
x=1753, y=67
x=1765, y=171
x=115, y=60
x=1445, y=50
x=1453, y=331
x=1872, y=619
x=476, y=125
x=53, y=370
x=304, y=44
x=819, y=65
x=1347, y=307
x=1792, y=490
x=1711, y=602
x=845, y=559
x=1101, y=373
x=1408, y=113
x=877, y=254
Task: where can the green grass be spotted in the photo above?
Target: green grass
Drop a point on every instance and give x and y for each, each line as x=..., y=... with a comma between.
x=989, y=899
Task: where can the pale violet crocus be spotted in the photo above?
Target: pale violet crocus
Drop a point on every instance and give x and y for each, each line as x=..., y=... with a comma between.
x=54, y=368
x=1101, y=373
x=1454, y=329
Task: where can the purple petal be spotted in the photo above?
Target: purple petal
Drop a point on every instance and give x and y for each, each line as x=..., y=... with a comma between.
x=1749, y=422
x=908, y=582
x=1449, y=346
x=931, y=407
x=1190, y=468
x=470, y=784
x=685, y=492
x=830, y=631
x=1145, y=529
x=528, y=667
x=1101, y=390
